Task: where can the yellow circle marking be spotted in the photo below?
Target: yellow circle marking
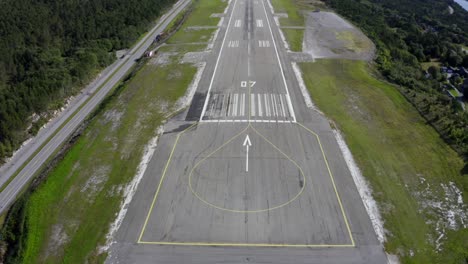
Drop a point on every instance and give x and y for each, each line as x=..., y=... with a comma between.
x=246, y=211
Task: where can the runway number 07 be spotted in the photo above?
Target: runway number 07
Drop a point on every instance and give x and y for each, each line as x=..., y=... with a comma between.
x=251, y=84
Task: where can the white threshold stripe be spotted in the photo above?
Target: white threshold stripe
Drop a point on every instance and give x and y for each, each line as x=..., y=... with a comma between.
x=282, y=104
x=260, y=113
x=267, y=106
x=229, y=103
x=246, y=121
x=273, y=100
x=236, y=98
x=252, y=104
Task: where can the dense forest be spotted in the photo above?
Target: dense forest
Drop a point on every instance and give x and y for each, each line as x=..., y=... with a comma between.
x=50, y=48
x=408, y=33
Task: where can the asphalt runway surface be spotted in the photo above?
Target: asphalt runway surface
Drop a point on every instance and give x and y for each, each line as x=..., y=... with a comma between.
x=249, y=174
x=30, y=158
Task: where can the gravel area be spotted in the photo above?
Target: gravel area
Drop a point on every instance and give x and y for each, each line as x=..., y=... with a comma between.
x=329, y=36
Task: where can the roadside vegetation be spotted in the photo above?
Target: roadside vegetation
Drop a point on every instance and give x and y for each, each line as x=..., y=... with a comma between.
x=418, y=180
x=49, y=54
x=414, y=174
x=65, y=216
x=294, y=38
x=408, y=33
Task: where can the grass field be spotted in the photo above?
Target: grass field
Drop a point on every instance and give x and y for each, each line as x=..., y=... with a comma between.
x=426, y=65
x=295, y=17
x=69, y=214
x=408, y=166
x=294, y=38
x=200, y=16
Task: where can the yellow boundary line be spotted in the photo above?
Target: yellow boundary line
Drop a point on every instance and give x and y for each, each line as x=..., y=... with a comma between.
x=162, y=178
x=246, y=244
x=345, y=218
x=247, y=211
x=333, y=182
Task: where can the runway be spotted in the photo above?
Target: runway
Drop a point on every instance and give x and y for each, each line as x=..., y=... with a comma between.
x=248, y=174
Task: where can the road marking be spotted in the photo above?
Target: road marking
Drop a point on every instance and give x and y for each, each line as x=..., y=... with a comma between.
x=234, y=111
x=276, y=106
x=259, y=96
x=217, y=62
x=282, y=104
x=208, y=244
x=160, y=182
x=333, y=183
x=267, y=105
x=259, y=23
x=252, y=104
x=291, y=109
x=243, y=104
x=246, y=121
x=229, y=104
x=233, y=44
x=264, y=43
x=247, y=144
x=237, y=23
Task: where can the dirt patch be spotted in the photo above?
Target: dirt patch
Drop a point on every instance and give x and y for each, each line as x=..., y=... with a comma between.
x=329, y=36
x=95, y=183
x=194, y=57
x=162, y=58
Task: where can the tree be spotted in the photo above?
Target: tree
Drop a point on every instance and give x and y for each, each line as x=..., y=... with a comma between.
x=435, y=72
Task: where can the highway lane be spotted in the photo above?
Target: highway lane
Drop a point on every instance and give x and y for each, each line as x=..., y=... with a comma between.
x=64, y=125
x=295, y=201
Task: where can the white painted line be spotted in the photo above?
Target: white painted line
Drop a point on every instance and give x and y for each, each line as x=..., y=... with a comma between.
x=252, y=104
x=247, y=144
x=223, y=106
x=267, y=105
x=259, y=96
x=243, y=105
x=213, y=103
x=259, y=23
x=276, y=107
x=264, y=43
x=237, y=23
x=217, y=62
x=291, y=109
x=233, y=44
x=282, y=105
x=245, y=121
x=229, y=106
x=273, y=101
x=236, y=100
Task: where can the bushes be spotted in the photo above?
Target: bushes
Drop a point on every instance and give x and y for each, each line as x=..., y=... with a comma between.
x=407, y=33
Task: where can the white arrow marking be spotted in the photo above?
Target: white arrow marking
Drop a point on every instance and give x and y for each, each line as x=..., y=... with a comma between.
x=247, y=144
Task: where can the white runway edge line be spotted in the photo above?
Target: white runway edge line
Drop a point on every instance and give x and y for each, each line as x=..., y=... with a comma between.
x=130, y=191
x=302, y=86
x=288, y=97
x=363, y=188
x=217, y=60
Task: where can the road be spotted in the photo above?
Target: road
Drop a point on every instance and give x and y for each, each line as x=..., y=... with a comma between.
x=248, y=174
x=35, y=153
